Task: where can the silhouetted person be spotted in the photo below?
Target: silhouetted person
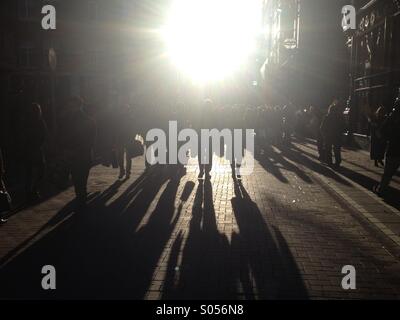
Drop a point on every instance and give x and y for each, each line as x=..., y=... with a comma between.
x=391, y=132
x=2, y=187
x=378, y=142
x=148, y=119
x=288, y=119
x=77, y=137
x=33, y=138
x=315, y=126
x=124, y=136
x=332, y=129
x=205, y=121
x=243, y=120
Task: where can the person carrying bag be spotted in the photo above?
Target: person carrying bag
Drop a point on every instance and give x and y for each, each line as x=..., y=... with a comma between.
x=135, y=148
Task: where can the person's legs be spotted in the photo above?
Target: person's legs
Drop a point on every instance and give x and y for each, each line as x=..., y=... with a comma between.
x=328, y=153
x=239, y=154
x=337, y=149
x=84, y=181
x=391, y=167
x=201, y=165
x=200, y=158
x=80, y=175
x=128, y=162
x=208, y=166
x=120, y=150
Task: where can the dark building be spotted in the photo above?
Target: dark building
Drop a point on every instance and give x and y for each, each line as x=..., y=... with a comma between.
x=306, y=61
x=281, y=19
x=92, y=45
x=7, y=62
x=374, y=55
x=96, y=43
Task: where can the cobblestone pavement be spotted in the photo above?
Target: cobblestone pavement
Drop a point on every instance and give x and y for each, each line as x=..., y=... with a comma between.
x=285, y=232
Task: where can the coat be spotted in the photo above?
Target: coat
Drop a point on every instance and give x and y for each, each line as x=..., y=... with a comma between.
x=332, y=128
x=391, y=132
x=378, y=142
x=77, y=134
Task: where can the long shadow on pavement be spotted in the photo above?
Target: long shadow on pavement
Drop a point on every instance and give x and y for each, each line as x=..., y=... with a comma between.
x=204, y=269
x=272, y=162
x=93, y=251
x=393, y=196
x=293, y=153
x=255, y=264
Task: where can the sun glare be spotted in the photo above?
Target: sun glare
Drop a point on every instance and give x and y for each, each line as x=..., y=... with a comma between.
x=209, y=40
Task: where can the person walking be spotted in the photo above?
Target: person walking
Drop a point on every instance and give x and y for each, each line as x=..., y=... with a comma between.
x=390, y=132
x=77, y=138
x=33, y=138
x=378, y=142
x=124, y=129
x=204, y=121
x=332, y=129
x=287, y=123
x=315, y=126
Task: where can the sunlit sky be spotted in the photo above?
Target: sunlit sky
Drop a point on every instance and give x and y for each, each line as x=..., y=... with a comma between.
x=209, y=40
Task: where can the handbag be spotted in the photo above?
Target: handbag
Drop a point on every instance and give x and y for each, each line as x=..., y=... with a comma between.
x=5, y=202
x=135, y=149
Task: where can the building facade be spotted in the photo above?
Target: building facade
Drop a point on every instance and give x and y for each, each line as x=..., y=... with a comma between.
x=281, y=21
x=92, y=46
x=374, y=55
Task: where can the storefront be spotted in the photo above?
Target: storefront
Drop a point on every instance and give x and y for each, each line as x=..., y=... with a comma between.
x=374, y=49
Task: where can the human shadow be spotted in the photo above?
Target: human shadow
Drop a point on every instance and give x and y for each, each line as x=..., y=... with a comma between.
x=255, y=264
x=98, y=253
x=141, y=246
x=302, y=157
x=204, y=271
x=393, y=195
x=365, y=168
x=266, y=268
x=273, y=162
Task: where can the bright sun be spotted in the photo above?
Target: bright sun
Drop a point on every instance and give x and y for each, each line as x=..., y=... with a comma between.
x=211, y=39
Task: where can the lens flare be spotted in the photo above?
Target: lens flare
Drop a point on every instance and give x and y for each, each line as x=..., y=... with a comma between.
x=211, y=39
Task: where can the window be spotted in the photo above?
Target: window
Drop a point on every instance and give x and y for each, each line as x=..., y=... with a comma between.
x=28, y=56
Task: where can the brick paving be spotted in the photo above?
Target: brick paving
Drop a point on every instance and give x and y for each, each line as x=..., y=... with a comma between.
x=285, y=232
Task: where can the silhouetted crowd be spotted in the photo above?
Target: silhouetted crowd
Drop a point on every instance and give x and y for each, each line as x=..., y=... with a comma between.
x=113, y=137
x=385, y=143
